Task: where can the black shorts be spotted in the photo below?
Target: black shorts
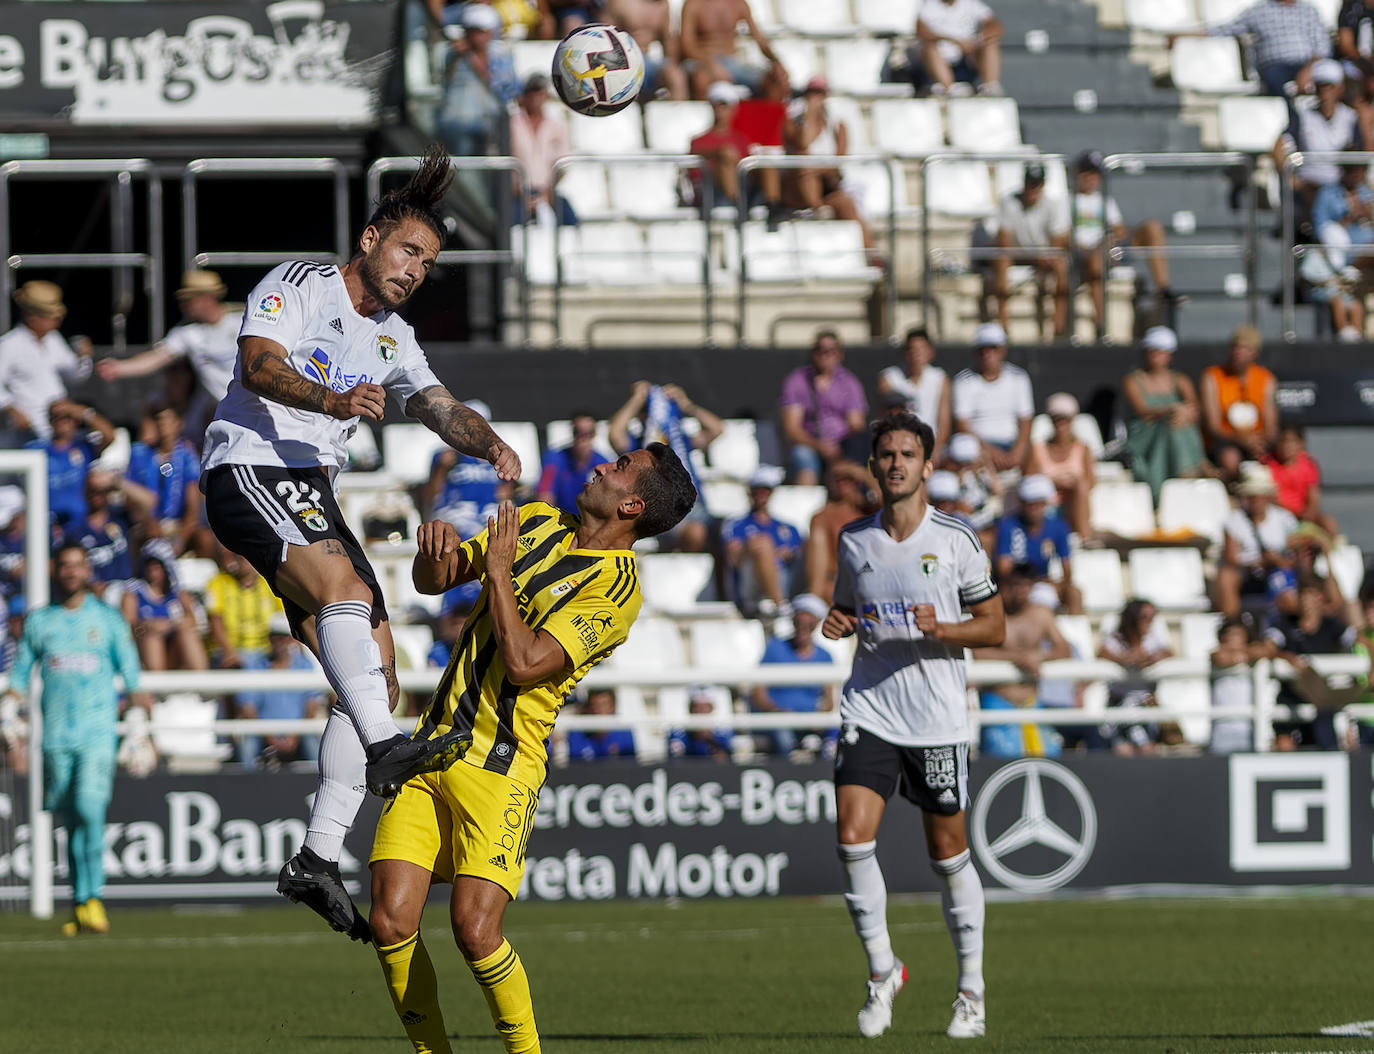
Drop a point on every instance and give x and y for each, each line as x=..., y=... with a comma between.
x=934, y=779
x=258, y=510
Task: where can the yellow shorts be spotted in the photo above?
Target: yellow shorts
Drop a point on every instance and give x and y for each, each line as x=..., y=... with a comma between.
x=466, y=821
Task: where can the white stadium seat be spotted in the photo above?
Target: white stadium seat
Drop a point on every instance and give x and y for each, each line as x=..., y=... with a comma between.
x=1124, y=509
x=646, y=192
x=1078, y=631
x=873, y=191
x=672, y=582
x=408, y=451
x=619, y=133
x=412, y=645
x=1209, y=65
x=1162, y=16
x=1347, y=567
x=908, y=127
x=887, y=17
x=194, y=573
x=799, y=58
x=726, y=499
x=653, y=644
x=816, y=17
x=735, y=452
x=771, y=256
x=796, y=505
x=960, y=188
x=1097, y=574
x=846, y=111
x=558, y=436
x=984, y=125
x=1198, y=634
x=1169, y=578
x=676, y=250
x=1198, y=505
x=1328, y=10
x=607, y=254
x=532, y=56
x=584, y=185
x=1215, y=12
x=523, y=438
x=726, y=642
x=1251, y=123
x=834, y=249
x=183, y=730
x=854, y=67
x=671, y=126
x=1192, y=692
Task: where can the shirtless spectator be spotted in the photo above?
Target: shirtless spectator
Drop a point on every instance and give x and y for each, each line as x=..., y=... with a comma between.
x=708, y=50
x=849, y=495
x=570, y=14
x=650, y=22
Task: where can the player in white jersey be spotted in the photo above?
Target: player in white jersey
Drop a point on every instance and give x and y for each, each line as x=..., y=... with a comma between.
x=906, y=574
x=319, y=348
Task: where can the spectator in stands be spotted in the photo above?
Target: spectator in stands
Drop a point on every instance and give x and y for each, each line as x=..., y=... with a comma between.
x=478, y=83
x=464, y=490
x=849, y=495
x=942, y=490
x=239, y=605
x=448, y=627
x=722, y=146
x=1162, y=434
x=608, y=743
x=285, y=704
x=1363, y=647
x=162, y=616
x=537, y=141
x=1296, y=637
x=810, y=129
x=1095, y=217
x=1033, y=229
x=1067, y=462
x=763, y=554
x=958, y=44
x=654, y=413
x=1233, y=685
x=566, y=470
x=1238, y=403
x=15, y=607
x=572, y=14
x=1034, y=538
x=1355, y=44
x=170, y=468
x=117, y=519
x=925, y=386
x=1330, y=126
x=1343, y=221
x=1258, y=540
x=713, y=743
x=823, y=412
x=1297, y=477
x=1289, y=40
x=1137, y=643
x=708, y=50
x=77, y=435
x=980, y=485
x=651, y=23
x=13, y=540
x=1032, y=638
x=993, y=401
x=526, y=19
x=207, y=339
x=808, y=612
x=36, y=364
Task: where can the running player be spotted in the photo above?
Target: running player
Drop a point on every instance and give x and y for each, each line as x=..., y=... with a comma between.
x=559, y=594
x=904, y=574
x=320, y=347
x=81, y=644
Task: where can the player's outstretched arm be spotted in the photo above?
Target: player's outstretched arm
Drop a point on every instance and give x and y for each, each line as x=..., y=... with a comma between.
x=986, y=629
x=463, y=429
x=264, y=371
x=440, y=562
x=530, y=656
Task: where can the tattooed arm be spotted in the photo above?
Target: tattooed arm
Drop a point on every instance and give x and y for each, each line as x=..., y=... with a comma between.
x=264, y=371
x=462, y=428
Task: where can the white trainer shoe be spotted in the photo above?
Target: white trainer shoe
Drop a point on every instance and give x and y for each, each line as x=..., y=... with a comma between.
x=970, y=1018
x=876, y=1016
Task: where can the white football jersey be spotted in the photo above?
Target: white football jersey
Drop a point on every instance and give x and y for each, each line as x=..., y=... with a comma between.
x=907, y=688
x=212, y=350
x=306, y=308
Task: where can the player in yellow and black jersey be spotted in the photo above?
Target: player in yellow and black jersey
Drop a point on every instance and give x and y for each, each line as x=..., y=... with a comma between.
x=559, y=594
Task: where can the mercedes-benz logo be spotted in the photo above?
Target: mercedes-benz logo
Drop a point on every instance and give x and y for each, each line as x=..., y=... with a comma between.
x=1033, y=826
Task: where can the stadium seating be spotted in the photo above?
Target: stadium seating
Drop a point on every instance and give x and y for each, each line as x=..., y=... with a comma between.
x=1197, y=505
x=408, y=451
x=1171, y=579
x=796, y=505
x=1161, y=16
x=671, y=126
x=1191, y=692
x=1097, y=574
x=726, y=642
x=183, y=733
x=1198, y=634
x=908, y=127
x=1210, y=65
x=620, y=133
x=853, y=67
x=887, y=17
x=1123, y=509
x=816, y=17
x=1251, y=124
x=523, y=438
x=193, y=574
x=1085, y=429
x=412, y=645
x=654, y=644
x=674, y=582
x=984, y=125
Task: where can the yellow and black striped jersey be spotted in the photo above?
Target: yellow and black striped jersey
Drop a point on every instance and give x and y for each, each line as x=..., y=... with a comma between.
x=586, y=599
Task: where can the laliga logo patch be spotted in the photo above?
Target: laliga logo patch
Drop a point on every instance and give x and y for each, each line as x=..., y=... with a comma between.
x=564, y=587
x=930, y=563
x=268, y=309
x=386, y=349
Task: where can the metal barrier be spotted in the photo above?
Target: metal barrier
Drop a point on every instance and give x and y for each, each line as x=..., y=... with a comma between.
x=1291, y=251
x=122, y=260
x=465, y=257
x=276, y=167
x=1247, y=251
x=804, y=161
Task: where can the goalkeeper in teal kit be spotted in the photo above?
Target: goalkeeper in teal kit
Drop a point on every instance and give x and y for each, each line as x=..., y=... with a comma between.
x=80, y=644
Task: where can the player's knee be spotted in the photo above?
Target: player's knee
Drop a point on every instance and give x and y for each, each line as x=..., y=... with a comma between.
x=478, y=935
x=387, y=929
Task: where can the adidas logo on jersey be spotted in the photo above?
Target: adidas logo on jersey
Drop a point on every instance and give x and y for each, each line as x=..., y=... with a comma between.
x=336, y=324
x=412, y=1017
x=946, y=797
x=867, y=567
x=499, y=860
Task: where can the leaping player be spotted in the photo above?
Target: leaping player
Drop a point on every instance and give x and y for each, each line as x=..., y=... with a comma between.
x=904, y=575
x=320, y=347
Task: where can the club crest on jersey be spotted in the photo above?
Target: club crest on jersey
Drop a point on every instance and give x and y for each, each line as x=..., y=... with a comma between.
x=930, y=563
x=386, y=349
x=323, y=370
x=268, y=309
x=315, y=521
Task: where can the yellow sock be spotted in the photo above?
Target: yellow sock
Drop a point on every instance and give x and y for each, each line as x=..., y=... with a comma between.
x=503, y=981
x=414, y=988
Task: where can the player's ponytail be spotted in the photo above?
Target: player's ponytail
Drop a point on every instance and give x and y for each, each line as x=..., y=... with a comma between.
x=420, y=198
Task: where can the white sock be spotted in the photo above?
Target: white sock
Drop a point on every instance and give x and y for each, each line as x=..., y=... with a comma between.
x=962, y=899
x=866, y=900
x=340, y=791
x=353, y=664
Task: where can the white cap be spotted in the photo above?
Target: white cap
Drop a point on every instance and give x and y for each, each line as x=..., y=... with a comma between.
x=965, y=447
x=1044, y=595
x=480, y=408
x=723, y=91
x=811, y=604
x=990, y=335
x=1327, y=71
x=1160, y=338
x=1061, y=404
x=279, y=625
x=480, y=16
x=942, y=486
x=1036, y=488
x=768, y=476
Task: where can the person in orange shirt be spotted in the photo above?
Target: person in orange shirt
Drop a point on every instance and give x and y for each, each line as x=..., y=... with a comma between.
x=1238, y=399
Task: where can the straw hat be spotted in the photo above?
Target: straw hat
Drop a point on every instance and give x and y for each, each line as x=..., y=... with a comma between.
x=196, y=283
x=41, y=298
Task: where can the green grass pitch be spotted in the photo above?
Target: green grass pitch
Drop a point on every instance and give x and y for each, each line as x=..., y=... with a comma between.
x=751, y=977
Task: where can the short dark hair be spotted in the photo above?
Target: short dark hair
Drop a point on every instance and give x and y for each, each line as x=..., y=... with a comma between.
x=68, y=545
x=917, y=333
x=667, y=491
x=1294, y=427
x=823, y=334
x=419, y=199
x=903, y=421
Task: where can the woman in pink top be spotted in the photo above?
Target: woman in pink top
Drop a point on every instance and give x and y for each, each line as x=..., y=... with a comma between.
x=1067, y=461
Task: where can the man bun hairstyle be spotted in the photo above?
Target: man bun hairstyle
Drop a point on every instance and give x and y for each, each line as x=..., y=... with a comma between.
x=420, y=198
x=667, y=491
x=904, y=421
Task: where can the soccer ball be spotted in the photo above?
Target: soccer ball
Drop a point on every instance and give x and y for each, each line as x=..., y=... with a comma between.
x=598, y=70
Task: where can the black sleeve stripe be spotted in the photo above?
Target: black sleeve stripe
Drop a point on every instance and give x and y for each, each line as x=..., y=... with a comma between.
x=958, y=525
x=624, y=586
x=619, y=582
